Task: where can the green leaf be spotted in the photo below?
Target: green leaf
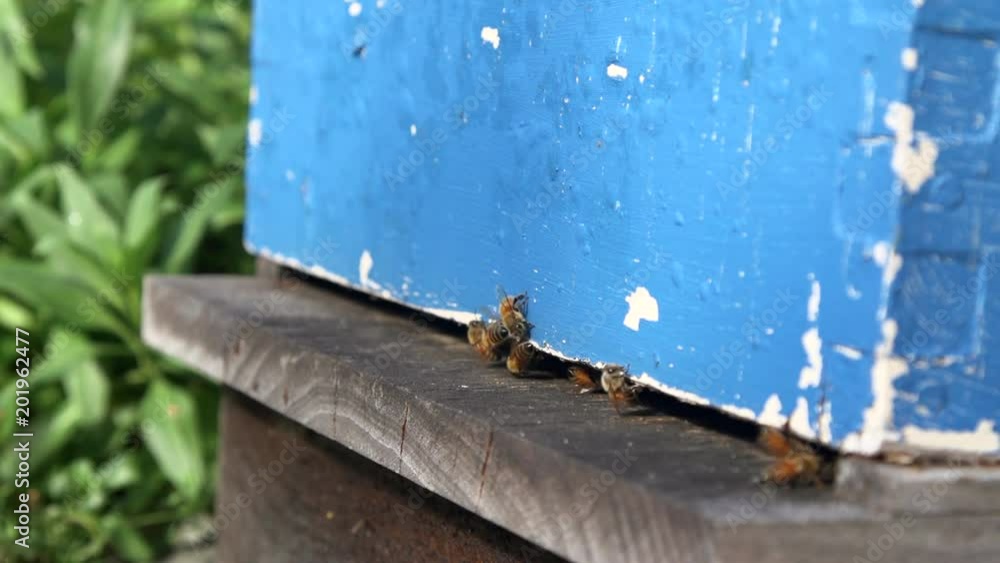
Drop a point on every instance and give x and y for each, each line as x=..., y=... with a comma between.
x=13, y=315
x=64, y=350
x=111, y=189
x=11, y=85
x=25, y=136
x=37, y=285
x=38, y=220
x=18, y=33
x=170, y=429
x=231, y=214
x=128, y=542
x=121, y=152
x=89, y=224
x=223, y=143
x=143, y=212
x=87, y=387
x=195, y=220
x=121, y=471
x=56, y=431
x=102, y=34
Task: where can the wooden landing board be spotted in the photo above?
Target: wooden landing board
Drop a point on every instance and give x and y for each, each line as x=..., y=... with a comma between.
x=533, y=455
x=287, y=494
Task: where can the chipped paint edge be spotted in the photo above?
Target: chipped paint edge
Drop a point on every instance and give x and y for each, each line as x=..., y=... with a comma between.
x=455, y=315
x=867, y=441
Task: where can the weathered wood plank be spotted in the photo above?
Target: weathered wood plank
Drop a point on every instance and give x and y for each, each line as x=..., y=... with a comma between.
x=289, y=495
x=532, y=455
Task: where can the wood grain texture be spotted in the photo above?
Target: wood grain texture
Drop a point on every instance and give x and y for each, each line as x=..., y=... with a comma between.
x=532, y=455
x=289, y=495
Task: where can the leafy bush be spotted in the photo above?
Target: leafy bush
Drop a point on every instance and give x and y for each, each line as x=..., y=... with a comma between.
x=121, y=142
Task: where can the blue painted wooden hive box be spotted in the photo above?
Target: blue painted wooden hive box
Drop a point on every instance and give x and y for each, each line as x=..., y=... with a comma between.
x=786, y=210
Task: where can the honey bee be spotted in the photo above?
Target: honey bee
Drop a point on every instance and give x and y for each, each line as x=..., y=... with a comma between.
x=520, y=358
x=477, y=329
x=493, y=342
x=616, y=384
x=581, y=376
x=512, y=314
x=797, y=464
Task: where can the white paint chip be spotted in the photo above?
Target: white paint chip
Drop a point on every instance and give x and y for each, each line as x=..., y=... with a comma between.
x=617, y=71
x=354, y=9
x=741, y=412
x=255, y=132
x=464, y=317
x=813, y=305
x=641, y=307
x=365, y=266
x=813, y=346
x=771, y=414
x=890, y=261
x=825, y=423
x=799, y=420
x=413, y=129
x=912, y=165
x=490, y=35
x=848, y=352
x=686, y=396
x=886, y=368
x=909, y=58
x=983, y=439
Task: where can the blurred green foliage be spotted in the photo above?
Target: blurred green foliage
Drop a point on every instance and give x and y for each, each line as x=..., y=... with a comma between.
x=121, y=142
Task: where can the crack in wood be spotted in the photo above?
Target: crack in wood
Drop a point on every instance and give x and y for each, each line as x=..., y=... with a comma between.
x=402, y=436
x=486, y=462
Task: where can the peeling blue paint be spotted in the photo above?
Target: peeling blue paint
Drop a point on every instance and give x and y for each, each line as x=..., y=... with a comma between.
x=726, y=156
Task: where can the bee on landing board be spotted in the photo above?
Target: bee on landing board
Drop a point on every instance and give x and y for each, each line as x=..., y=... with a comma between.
x=477, y=329
x=581, y=376
x=494, y=341
x=513, y=311
x=520, y=358
x=797, y=462
x=616, y=384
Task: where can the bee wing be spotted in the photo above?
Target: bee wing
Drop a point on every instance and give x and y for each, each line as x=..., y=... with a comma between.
x=775, y=442
x=519, y=301
x=488, y=314
x=501, y=294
